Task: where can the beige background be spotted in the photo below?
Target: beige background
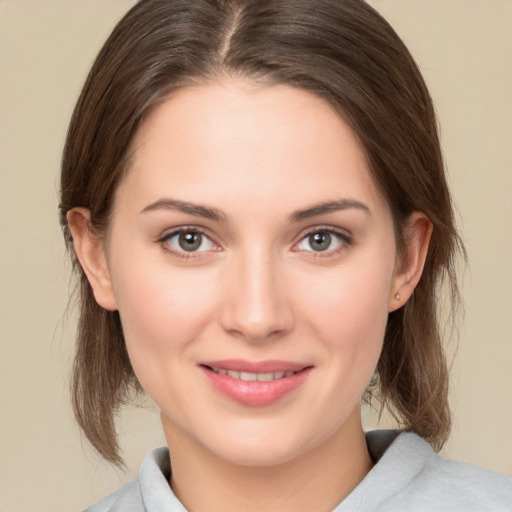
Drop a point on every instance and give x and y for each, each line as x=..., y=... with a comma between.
x=46, y=47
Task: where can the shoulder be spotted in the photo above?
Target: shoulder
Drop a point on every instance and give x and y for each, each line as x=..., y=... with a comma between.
x=423, y=480
x=128, y=498
x=456, y=484
x=149, y=491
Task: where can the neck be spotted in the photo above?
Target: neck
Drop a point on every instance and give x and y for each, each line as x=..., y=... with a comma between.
x=317, y=480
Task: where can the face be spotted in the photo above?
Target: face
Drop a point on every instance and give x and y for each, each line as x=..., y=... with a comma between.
x=252, y=261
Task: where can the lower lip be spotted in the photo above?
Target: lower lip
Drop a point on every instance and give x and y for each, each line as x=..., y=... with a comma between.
x=256, y=393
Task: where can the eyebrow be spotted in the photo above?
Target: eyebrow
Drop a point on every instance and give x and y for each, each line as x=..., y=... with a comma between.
x=328, y=207
x=183, y=206
x=207, y=212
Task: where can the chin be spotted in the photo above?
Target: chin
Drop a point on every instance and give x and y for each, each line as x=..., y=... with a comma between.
x=262, y=446
x=260, y=456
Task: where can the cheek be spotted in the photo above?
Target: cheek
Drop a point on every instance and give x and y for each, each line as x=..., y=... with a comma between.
x=354, y=335
x=162, y=310
x=162, y=315
x=349, y=313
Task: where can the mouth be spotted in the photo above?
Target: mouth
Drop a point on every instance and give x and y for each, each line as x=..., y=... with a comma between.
x=255, y=384
x=252, y=376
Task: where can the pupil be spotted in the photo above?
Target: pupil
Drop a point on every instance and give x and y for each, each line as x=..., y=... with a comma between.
x=190, y=241
x=320, y=241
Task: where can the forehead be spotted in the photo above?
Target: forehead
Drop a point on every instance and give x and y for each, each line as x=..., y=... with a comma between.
x=276, y=142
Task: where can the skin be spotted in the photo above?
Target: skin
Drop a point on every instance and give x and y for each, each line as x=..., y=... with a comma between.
x=256, y=289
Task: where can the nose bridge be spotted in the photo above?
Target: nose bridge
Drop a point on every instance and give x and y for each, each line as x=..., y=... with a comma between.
x=258, y=305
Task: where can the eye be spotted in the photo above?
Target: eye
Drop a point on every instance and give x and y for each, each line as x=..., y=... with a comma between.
x=323, y=240
x=188, y=241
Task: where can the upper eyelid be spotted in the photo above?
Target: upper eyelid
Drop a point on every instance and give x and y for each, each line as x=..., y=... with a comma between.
x=169, y=233
x=172, y=232
x=163, y=240
x=328, y=229
x=346, y=240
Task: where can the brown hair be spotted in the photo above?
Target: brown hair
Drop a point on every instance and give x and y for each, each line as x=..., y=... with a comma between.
x=340, y=50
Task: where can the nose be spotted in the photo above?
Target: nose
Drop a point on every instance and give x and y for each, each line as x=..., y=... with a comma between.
x=257, y=306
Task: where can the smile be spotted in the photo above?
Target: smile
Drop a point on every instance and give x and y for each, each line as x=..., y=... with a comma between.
x=255, y=384
x=250, y=376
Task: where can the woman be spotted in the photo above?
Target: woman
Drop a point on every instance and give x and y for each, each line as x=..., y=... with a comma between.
x=254, y=198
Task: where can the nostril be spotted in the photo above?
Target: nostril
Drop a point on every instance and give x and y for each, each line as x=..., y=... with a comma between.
x=257, y=307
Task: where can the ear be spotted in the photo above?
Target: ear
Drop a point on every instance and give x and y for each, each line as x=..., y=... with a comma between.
x=409, y=267
x=89, y=248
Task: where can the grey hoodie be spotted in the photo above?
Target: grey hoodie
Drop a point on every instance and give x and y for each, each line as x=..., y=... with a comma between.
x=408, y=477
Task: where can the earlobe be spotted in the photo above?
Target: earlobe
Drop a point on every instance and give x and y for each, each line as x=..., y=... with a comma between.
x=409, y=269
x=90, y=252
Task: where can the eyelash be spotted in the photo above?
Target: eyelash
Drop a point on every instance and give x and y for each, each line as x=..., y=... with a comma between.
x=344, y=239
x=164, y=241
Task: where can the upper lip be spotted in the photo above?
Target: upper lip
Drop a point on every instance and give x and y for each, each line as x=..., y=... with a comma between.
x=242, y=365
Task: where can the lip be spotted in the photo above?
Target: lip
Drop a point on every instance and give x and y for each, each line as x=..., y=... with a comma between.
x=255, y=393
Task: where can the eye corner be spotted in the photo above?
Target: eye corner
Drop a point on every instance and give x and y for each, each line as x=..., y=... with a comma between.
x=187, y=242
x=326, y=237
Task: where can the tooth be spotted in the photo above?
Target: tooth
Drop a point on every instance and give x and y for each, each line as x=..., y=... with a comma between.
x=248, y=376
